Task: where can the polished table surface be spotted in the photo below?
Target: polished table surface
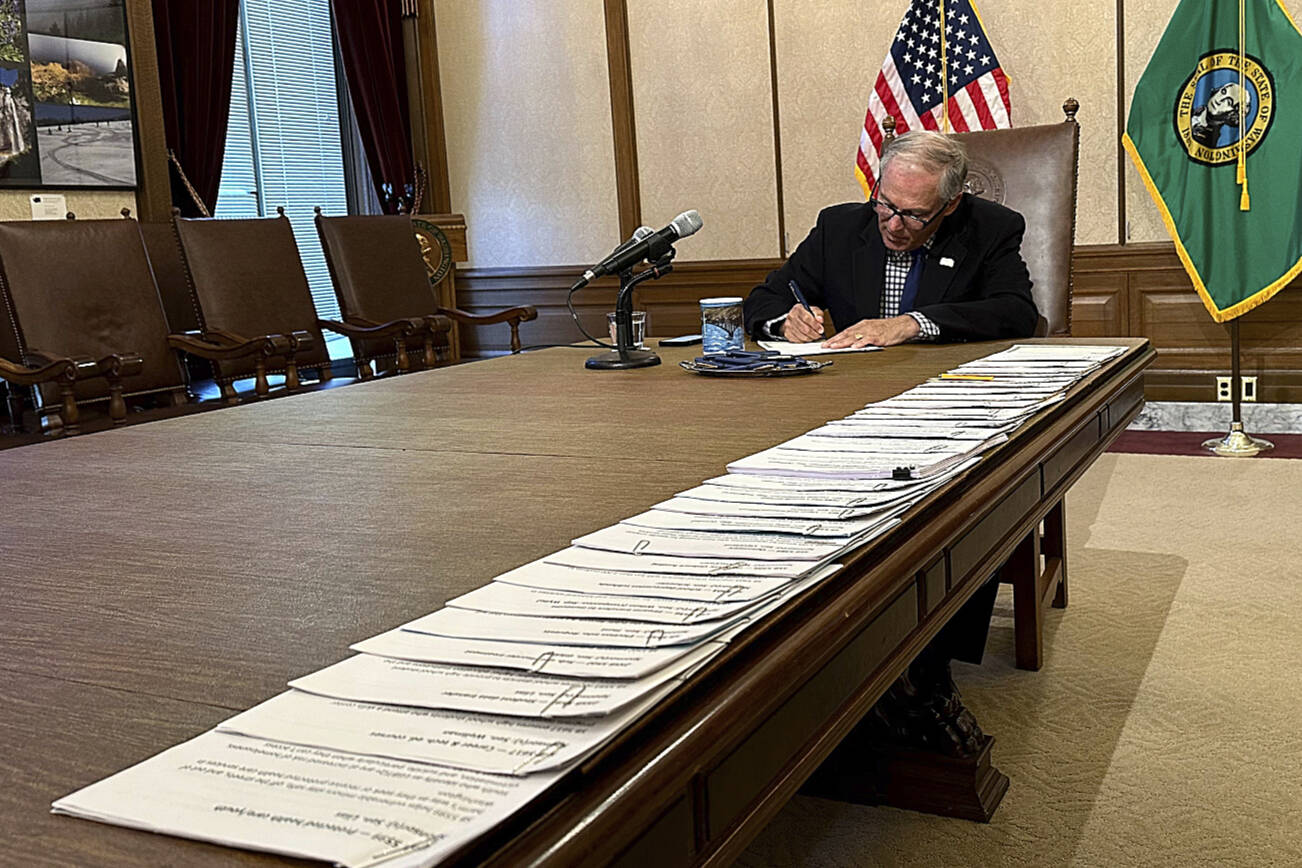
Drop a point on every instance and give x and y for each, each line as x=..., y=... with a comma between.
x=161, y=577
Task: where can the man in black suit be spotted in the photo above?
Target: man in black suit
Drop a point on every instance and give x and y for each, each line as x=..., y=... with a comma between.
x=921, y=260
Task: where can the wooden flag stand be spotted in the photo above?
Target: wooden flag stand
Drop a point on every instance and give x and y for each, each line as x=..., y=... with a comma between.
x=1237, y=443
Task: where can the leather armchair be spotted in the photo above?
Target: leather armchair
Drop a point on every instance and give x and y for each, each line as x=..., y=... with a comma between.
x=379, y=272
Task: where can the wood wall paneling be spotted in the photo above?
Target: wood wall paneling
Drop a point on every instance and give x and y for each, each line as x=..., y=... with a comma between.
x=1120, y=290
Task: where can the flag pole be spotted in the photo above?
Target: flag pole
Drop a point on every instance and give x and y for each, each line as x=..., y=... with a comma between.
x=944, y=74
x=1238, y=443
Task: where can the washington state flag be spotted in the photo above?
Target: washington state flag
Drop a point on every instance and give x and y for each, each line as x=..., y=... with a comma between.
x=1215, y=129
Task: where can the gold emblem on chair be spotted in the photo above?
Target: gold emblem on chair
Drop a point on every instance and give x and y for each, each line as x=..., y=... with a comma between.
x=984, y=180
x=435, y=249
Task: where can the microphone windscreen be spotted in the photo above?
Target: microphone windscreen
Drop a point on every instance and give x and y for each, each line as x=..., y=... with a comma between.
x=687, y=223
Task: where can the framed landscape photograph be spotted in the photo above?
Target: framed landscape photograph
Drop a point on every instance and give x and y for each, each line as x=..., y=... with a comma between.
x=66, y=114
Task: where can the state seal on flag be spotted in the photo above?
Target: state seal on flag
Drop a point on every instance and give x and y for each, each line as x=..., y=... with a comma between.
x=1210, y=103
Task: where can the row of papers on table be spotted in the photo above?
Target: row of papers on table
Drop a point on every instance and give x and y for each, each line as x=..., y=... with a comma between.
x=437, y=730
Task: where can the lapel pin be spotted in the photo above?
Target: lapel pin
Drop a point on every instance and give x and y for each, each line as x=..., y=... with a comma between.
x=946, y=262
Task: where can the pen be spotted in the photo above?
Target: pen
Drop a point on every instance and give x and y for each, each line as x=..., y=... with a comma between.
x=965, y=377
x=800, y=297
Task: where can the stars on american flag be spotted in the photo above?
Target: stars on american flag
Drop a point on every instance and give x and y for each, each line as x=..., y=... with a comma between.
x=954, y=85
x=917, y=49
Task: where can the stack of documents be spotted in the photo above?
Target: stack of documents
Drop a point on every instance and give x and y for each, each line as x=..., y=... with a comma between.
x=438, y=729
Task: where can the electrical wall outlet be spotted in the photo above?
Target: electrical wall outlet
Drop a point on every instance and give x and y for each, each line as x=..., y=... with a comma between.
x=1247, y=389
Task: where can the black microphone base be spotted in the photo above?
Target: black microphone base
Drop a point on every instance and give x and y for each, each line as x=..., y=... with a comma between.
x=613, y=361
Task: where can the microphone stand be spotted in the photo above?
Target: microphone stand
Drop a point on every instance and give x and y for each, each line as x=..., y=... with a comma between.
x=625, y=355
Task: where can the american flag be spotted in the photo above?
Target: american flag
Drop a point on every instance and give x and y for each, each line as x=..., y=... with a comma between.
x=909, y=87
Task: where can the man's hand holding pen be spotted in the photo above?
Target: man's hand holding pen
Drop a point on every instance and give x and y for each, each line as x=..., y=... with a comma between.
x=803, y=323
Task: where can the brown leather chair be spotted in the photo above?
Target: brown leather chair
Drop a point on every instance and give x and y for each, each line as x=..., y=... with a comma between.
x=83, y=292
x=1033, y=171
x=81, y=303
x=246, y=279
x=380, y=271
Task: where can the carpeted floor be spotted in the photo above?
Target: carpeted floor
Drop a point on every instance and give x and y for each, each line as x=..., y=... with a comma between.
x=1163, y=729
x=1191, y=443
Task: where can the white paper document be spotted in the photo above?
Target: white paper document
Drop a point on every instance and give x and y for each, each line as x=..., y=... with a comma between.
x=367, y=678
x=882, y=445
x=509, y=599
x=625, y=562
x=571, y=661
x=711, y=544
x=813, y=348
x=358, y=811
x=674, y=586
x=467, y=624
x=477, y=742
x=849, y=465
x=842, y=529
x=795, y=499
x=760, y=509
x=781, y=485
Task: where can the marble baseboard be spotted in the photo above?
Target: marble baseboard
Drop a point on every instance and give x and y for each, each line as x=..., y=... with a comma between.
x=1215, y=417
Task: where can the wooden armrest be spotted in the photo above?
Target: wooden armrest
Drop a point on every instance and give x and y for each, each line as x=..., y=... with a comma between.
x=438, y=323
x=45, y=370
x=117, y=365
x=67, y=370
x=395, y=329
x=524, y=313
x=512, y=315
x=223, y=346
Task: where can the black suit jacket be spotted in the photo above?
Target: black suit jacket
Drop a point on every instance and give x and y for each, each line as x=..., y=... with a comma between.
x=974, y=283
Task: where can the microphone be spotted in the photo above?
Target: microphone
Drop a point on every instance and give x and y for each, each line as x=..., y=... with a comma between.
x=652, y=247
x=639, y=233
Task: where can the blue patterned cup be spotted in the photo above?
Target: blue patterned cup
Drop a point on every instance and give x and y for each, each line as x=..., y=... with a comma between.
x=721, y=325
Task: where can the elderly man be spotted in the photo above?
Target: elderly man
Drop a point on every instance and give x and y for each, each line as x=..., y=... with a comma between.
x=921, y=260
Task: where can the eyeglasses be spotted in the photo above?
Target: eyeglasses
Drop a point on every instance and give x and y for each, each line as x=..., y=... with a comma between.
x=887, y=210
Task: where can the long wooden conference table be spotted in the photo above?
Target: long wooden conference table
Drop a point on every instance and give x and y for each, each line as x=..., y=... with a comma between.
x=161, y=577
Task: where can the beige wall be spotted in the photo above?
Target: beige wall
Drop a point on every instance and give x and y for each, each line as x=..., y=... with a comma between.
x=527, y=108
x=86, y=204
x=703, y=107
x=703, y=114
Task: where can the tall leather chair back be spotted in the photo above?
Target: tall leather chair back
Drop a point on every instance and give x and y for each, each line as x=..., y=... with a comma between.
x=376, y=265
x=246, y=277
x=1033, y=171
x=169, y=273
x=85, y=288
x=378, y=273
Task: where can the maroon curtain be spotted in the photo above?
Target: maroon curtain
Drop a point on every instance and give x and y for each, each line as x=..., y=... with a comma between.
x=196, y=58
x=370, y=42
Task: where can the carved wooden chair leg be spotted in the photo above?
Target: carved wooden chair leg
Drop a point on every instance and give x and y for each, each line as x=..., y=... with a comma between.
x=71, y=416
x=404, y=363
x=291, y=374
x=430, y=358
x=229, y=394
x=117, y=406
x=260, y=386
x=1022, y=570
x=515, y=336
x=364, y=371
x=1054, y=549
x=324, y=374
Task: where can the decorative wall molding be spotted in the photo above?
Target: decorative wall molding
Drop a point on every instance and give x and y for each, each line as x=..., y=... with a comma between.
x=1120, y=290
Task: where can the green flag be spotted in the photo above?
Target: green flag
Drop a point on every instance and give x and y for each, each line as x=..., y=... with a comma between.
x=1215, y=129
